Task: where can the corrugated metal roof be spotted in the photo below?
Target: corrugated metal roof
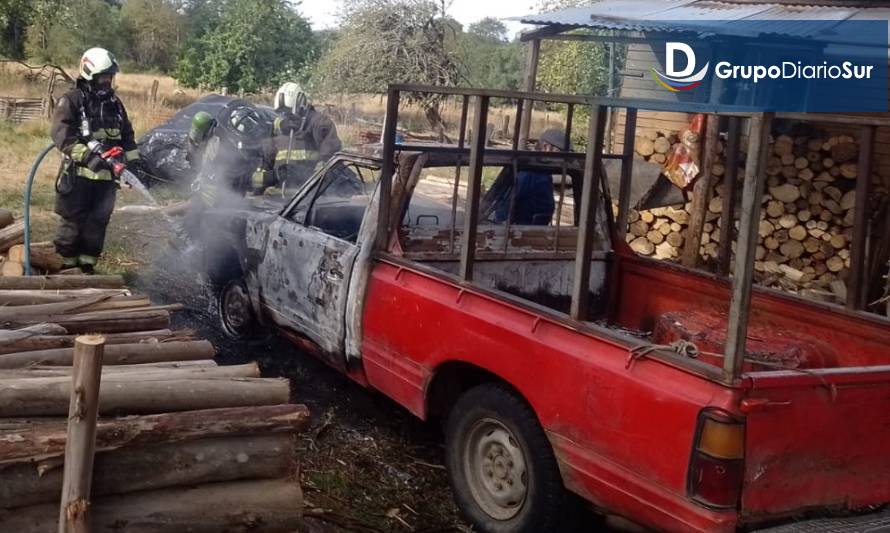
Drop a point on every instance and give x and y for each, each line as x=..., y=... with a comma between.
x=707, y=15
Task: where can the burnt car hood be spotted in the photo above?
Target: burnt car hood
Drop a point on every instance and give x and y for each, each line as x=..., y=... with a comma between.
x=164, y=148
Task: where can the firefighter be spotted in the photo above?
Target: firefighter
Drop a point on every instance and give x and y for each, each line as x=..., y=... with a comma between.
x=224, y=151
x=88, y=121
x=302, y=140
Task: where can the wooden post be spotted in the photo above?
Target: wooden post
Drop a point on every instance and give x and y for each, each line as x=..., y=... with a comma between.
x=627, y=158
x=758, y=142
x=727, y=223
x=474, y=186
x=701, y=193
x=80, y=445
x=388, y=166
x=858, y=290
x=531, y=76
x=590, y=201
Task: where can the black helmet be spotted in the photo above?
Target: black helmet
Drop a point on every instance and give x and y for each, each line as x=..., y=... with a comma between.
x=243, y=123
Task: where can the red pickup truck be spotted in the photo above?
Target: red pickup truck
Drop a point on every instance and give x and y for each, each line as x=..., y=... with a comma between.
x=628, y=407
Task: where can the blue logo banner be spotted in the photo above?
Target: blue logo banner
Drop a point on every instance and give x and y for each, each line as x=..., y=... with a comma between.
x=774, y=65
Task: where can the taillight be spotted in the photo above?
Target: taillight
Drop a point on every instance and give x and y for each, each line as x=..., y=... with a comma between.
x=718, y=459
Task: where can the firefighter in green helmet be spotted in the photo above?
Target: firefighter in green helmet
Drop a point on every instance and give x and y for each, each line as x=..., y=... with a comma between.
x=89, y=121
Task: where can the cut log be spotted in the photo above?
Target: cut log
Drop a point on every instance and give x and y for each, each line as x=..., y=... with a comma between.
x=662, y=145
x=655, y=237
x=12, y=235
x=834, y=264
x=675, y=239
x=155, y=467
x=785, y=193
x=43, y=256
x=775, y=209
x=34, y=297
x=47, y=371
x=116, y=354
x=848, y=170
x=12, y=337
x=60, y=340
x=43, y=441
x=258, y=506
x=80, y=445
x=641, y=245
x=63, y=282
x=644, y=146
x=104, y=321
x=792, y=249
x=49, y=396
x=639, y=228
x=788, y=221
x=11, y=269
x=139, y=373
x=798, y=233
x=6, y=218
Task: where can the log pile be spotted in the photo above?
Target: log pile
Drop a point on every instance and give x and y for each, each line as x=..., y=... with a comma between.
x=181, y=443
x=806, y=228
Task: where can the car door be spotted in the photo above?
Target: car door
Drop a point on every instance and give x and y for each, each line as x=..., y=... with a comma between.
x=311, y=252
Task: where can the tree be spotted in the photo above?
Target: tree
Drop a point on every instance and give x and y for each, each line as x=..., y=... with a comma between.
x=392, y=41
x=489, y=29
x=572, y=67
x=14, y=16
x=490, y=60
x=60, y=31
x=255, y=45
x=155, y=31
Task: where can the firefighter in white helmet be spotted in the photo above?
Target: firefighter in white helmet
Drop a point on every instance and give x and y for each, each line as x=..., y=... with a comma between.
x=302, y=140
x=88, y=123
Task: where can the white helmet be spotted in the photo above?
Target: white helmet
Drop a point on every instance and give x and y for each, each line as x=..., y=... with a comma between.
x=97, y=61
x=290, y=97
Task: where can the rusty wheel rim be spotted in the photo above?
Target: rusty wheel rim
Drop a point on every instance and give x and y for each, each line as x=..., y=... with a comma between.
x=496, y=469
x=235, y=308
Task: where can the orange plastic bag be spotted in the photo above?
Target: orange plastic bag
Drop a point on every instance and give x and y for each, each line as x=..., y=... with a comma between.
x=683, y=163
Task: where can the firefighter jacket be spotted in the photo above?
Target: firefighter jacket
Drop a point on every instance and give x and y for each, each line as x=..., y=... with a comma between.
x=107, y=122
x=292, y=160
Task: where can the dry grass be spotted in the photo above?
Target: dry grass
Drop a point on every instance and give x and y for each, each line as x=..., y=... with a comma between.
x=354, y=113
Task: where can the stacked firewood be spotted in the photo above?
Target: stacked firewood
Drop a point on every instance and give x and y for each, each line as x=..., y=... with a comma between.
x=654, y=146
x=806, y=228
x=44, y=258
x=182, y=444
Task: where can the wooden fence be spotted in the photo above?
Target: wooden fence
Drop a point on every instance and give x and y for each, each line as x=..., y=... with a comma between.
x=18, y=110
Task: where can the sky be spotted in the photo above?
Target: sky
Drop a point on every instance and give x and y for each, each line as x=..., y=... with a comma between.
x=322, y=13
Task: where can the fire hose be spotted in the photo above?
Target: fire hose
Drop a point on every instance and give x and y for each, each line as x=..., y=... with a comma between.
x=28, y=186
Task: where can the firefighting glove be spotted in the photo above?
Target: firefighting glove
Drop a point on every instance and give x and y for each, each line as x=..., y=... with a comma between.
x=291, y=123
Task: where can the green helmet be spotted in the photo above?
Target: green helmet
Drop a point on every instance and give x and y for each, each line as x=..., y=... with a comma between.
x=202, y=123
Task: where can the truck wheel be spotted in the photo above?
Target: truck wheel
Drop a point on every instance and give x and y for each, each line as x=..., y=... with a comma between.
x=235, y=312
x=502, y=469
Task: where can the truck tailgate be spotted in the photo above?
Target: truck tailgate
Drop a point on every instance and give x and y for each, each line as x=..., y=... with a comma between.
x=816, y=441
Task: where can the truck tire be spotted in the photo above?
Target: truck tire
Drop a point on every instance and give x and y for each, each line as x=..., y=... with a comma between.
x=236, y=315
x=501, y=467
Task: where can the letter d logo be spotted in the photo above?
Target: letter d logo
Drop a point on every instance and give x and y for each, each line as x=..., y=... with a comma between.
x=674, y=80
